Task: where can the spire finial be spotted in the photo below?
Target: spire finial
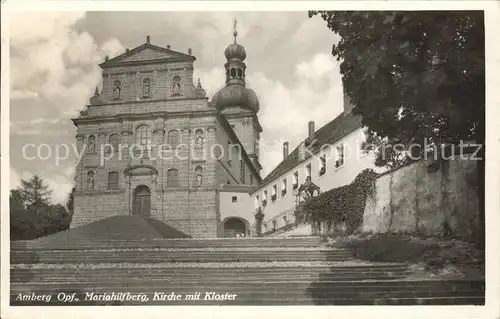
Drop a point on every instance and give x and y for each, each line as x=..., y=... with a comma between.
x=199, y=83
x=96, y=92
x=235, y=31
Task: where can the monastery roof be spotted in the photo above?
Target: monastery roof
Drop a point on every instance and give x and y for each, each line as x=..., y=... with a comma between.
x=330, y=133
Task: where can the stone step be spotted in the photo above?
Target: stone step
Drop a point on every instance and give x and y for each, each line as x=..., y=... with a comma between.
x=212, y=279
x=171, y=243
x=171, y=256
x=190, y=270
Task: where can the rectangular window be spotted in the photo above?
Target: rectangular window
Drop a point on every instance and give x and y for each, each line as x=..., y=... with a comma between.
x=340, y=156
x=295, y=180
x=172, y=178
x=308, y=172
x=322, y=165
x=234, y=199
x=242, y=171
x=257, y=201
x=283, y=187
x=274, y=224
x=264, y=198
x=274, y=191
x=113, y=180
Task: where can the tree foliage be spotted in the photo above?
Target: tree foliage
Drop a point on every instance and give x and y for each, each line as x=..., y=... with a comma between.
x=415, y=76
x=35, y=191
x=31, y=213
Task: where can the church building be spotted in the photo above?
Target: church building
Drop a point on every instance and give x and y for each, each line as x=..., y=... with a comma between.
x=154, y=145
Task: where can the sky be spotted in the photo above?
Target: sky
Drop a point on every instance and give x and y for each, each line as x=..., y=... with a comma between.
x=54, y=71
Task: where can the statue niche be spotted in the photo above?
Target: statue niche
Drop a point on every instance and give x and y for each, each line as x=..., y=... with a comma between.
x=176, y=86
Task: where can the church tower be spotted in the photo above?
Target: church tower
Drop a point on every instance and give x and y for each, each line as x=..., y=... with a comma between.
x=238, y=103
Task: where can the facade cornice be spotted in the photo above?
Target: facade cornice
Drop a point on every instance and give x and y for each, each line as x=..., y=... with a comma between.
x=142, y=116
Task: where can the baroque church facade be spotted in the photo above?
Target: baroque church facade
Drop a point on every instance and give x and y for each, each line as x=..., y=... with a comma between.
x=155, y=146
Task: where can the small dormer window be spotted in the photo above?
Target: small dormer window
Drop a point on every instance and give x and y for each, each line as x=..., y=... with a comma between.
x=146, y=88
x=116, y=90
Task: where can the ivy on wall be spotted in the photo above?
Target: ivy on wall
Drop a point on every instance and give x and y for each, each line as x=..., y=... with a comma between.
x=344, y=205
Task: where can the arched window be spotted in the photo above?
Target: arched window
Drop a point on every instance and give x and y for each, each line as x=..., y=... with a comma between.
x=113, y=180
x=143, y=135
x=176, y=85
x=114, y=141
x=91, y=144
x=172, y=178
x=233, y=72
x=146, y=87
x=173, y=138
x=90, y=180
x=240, y=73
x=116, y=90
x=199, y=138
x=199, y=175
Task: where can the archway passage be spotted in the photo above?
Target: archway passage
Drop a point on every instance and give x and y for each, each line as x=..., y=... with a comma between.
x=234, y=227
x=142, y=201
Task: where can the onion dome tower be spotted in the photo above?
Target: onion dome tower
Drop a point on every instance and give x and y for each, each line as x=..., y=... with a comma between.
x=235, y=93
x=238, y=103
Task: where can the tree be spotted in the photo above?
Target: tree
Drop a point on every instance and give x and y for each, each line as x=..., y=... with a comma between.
x=31, y=213
x=418, y=77
x=35, y=192
x=16, y=200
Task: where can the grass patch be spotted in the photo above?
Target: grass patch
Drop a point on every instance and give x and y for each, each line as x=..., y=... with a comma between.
x=434, y=253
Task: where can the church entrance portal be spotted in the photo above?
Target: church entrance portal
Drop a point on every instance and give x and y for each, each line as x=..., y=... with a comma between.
x=142, y=201
x=234, y=227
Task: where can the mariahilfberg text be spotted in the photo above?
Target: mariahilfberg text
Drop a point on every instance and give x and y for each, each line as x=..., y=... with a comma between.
x=159, y=296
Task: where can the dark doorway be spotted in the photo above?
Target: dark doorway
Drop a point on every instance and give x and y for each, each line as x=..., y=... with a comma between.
x=142, y=201
x=234, y=227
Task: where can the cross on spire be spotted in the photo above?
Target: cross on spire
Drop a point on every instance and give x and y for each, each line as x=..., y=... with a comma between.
x=235, y=31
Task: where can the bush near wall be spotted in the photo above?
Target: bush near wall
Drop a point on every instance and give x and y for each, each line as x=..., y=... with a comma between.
x=344, y=205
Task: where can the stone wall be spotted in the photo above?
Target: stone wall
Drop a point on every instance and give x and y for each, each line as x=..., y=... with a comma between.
x=416, y=199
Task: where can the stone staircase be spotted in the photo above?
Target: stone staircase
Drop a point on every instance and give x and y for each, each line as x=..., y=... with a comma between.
x=255, y=271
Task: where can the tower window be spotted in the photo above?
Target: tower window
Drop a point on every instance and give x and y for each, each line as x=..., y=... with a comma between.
x=233, y=72
x=116, y=90
x=234, y=199
x=240, y=73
